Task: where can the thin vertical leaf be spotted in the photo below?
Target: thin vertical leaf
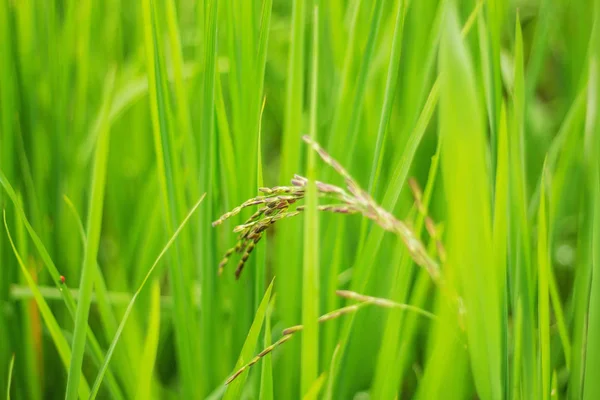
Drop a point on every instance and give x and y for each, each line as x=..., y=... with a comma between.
x=500, y=235
x=94, y=227
x=148, y=359
x=288, y=240
x=310, y=274
x=466, y=181
x=184, y=319
x=520, y=246
x=10, y=372
x=388, y=95
x=591, y=385
x=543, y=294
x=261, y=253
x=266, y=371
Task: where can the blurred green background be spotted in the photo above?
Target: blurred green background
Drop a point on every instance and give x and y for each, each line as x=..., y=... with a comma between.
x=117, y=116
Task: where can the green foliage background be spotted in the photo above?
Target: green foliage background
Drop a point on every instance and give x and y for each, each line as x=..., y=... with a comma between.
x=117, y=116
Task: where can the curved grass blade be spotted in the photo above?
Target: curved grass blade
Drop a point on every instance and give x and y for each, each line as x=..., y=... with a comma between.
x=315, y=388
x=266, y=373
x=115, y=340
x=66, y=295
x=62, y=346
x=10, y=372
x=145, y=377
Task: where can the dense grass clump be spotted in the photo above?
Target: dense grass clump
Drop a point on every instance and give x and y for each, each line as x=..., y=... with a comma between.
x=413, y=189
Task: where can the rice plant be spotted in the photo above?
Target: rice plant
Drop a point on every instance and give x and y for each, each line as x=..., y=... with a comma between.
x=332, y=199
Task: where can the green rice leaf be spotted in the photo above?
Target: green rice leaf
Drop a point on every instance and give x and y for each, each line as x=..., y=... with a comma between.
x=10, y=372
x=115, y=340
x=234, y=389
x=466, y=180
x=145, y=374
x=62, y=346
x=543, y=295
x=94, y=226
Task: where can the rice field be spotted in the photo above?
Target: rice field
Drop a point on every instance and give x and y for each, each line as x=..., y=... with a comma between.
x=311, y=199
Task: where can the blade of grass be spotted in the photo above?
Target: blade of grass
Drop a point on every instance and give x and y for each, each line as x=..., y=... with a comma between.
x=349, y=141
x=234, y=389
x=288, y=240
x=30, y=365
x=145, y=374
x=294, y=94
x=591, y=388
x=266, y=372
x=520, y=247
x=516, y=384
x=205, y=243
x=500, y=235
x=261, y=253
x=554, y=392
x=265, y=24
x=171, y=189
x=580, y=310
x=543, y=294
x=310, y=271
x=466, y=183
x=62, y=346
x=10, y=372
x=591, y=385
x=344, y=88
x=183, y=118
x=332, y=373
x=9, y=112
x=391, y=85
x=113, y=344
x=493, y=84
x=315, y=388
x=388, y=102
x=226, y=151
x=107, y=316
x=66, y=295
x=94, y=227
x=82, y=59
